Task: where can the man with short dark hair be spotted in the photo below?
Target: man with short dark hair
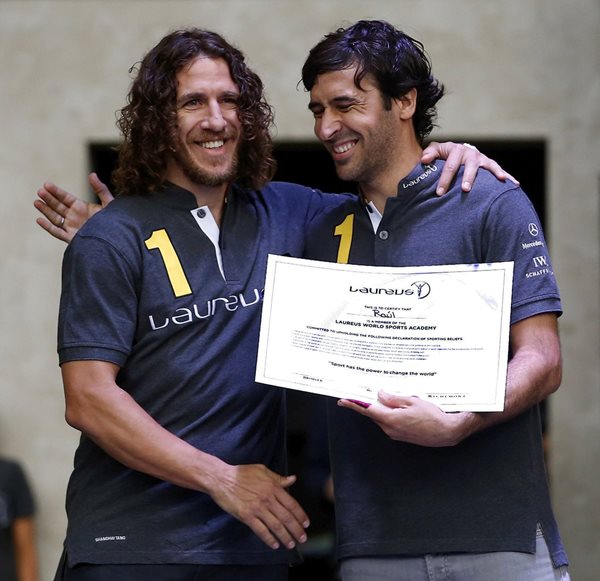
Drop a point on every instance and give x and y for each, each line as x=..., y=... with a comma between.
x=422, y=494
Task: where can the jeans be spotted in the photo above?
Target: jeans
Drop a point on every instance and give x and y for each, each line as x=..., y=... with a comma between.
x=503, y=566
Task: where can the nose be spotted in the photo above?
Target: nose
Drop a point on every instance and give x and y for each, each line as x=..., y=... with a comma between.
x=326, y=126
x=214, y=120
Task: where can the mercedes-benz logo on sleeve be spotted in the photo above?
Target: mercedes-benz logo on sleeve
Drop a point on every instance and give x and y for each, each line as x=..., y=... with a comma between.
x=533, y=229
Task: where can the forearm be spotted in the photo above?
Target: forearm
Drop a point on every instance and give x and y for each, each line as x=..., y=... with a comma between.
x=107, y=414
x=122, y=428
x=533, y=373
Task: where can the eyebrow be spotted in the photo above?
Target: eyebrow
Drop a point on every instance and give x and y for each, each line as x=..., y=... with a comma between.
x=200, y=95
x=341, y=100
x=190, y=96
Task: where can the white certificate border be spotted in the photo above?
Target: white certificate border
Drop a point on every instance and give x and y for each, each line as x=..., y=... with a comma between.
x=506, y=269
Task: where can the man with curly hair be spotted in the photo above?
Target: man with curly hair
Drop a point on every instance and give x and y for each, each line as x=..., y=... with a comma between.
x=421, y=494
x=180, y=471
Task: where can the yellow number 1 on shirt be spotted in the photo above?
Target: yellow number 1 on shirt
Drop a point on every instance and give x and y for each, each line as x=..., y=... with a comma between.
x=344, y=231
x=160, y=241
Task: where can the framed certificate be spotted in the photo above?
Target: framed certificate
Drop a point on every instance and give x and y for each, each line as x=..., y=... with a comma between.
x=347, y=331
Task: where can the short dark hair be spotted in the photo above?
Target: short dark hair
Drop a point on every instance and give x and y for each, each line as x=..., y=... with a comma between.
x=397, y=62
x=148, y=121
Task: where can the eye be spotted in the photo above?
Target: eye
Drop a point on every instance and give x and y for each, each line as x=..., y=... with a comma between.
x=230, y=101
x=192, y=104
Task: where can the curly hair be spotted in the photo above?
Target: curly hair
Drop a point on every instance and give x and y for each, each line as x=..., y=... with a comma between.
x=397, y=62
x=148, y=121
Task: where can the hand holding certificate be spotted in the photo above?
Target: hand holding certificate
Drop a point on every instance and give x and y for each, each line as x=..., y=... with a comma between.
x=437, y=332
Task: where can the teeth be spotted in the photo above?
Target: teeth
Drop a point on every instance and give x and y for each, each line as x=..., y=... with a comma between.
x=344, y=147
x=212, y=144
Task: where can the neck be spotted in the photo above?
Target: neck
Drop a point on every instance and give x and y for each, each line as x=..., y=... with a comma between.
x=385, y=184
x=211, y=196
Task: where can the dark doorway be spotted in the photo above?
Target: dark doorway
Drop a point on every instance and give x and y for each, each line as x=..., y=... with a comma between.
x=307, y=163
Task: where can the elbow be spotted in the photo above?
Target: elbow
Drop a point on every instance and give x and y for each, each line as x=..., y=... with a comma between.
x=553, y=375
x=78, y=409
x=74, y=416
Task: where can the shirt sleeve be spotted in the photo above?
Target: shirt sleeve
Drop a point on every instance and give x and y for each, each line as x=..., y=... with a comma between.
x=98, y=305
x=512, y=232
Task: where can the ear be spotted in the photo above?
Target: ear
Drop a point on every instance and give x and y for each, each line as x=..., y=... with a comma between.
x=407, y=104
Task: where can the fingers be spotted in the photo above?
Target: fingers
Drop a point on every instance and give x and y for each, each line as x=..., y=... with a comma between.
x=461, y=154
x=473, y=160
x=352, y=404
x=388, y=401
x=258, y=497
x=55, y=196
x=293, y=508
x=495, y=168
x=395, y=401
x=435, y=151
x=453, y=154
x=451, y=167
x=287, y=481
x=512, y=179
x=53, y=230
x=54, y=200
x=52, y=212
x=280, y=520
x=286, y=521
x=428, y=155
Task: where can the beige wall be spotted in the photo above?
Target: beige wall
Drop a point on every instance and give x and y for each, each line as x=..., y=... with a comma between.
x=514, y=68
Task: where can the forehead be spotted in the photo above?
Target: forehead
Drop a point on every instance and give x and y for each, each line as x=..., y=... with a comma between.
x=205, y=75
x=336, y=84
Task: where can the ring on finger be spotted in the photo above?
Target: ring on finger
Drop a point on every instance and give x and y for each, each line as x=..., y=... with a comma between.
x=62, y=222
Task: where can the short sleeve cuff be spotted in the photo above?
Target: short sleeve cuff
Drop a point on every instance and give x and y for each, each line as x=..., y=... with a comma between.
x=86, y=353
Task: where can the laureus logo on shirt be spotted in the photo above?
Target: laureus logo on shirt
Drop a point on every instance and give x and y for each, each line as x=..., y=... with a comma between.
x=418, y=289
x=429, y=169
x=205, y=310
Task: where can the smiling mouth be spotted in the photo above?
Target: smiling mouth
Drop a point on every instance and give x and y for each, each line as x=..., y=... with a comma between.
x=344, y=147
x=211, y=144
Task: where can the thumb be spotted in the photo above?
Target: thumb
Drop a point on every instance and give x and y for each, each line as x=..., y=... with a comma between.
x=287, y=481
x=100, y=189
x=428, y=155
x=392, y=401
x=433, y=151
